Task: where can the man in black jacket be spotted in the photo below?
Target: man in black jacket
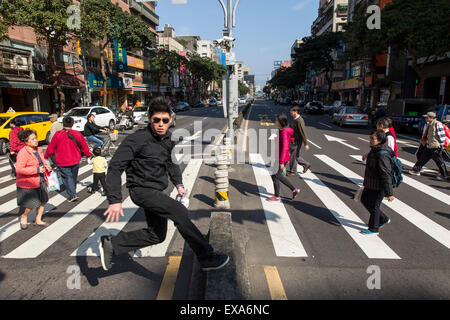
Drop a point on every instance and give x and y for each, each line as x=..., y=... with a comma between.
x=377, y=181
x=91, y=130
x=146, y=158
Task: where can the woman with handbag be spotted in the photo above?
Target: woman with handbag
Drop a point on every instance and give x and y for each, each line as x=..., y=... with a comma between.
x=31, y=179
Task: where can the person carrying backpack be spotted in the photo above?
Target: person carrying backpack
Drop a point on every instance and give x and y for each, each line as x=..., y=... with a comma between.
x=378, y=182
x=433, y=142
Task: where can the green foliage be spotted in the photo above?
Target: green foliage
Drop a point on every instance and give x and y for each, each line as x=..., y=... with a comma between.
x=287, y=78
x=243, y=89
x=204, y=71
x=163, y=62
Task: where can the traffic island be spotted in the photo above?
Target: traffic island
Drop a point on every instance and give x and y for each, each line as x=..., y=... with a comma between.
x=231, y=282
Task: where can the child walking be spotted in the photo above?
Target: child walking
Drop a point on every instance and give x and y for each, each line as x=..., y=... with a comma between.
x=284, y=138
x=99, y=170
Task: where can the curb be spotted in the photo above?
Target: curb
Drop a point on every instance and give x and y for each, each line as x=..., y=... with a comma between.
x=231, y=282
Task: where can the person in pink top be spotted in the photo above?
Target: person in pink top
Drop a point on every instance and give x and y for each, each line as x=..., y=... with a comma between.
x=31, y=179
x=15, y=145
x=284, y=138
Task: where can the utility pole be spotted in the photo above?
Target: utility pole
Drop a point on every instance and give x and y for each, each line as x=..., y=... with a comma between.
x=227, y=43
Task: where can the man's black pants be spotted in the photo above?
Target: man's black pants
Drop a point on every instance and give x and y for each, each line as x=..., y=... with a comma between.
x=371, y=199
x=158, y=208
x=428, y=154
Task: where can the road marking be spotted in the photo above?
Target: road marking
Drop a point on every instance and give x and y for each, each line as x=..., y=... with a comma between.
x=284, y=237
x=406, y=143
x=5, y=168
x=407, y=137
x=170, y=276
x=274, y=282
x=246, y=129
x=434, y=230
x=438, y=195
x=13, y=225
x=341, y=141
x=412, y=164
x=12, y=204
x=326, y=125
x=5, y=179
x=365, y=140
x=44, y=239
x=315, y=145
x=373, y=247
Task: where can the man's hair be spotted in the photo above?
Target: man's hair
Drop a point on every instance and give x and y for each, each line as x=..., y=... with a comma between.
x=25, y=134
x=68, y=122
x=385, y=122
x=90, y=114
x=158, y=105
x=283, y=120
x=381, y=136
x=15, y=122
x=97, y=151
x=296, y=109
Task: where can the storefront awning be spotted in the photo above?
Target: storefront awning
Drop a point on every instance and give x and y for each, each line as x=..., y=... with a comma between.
x=21, y=85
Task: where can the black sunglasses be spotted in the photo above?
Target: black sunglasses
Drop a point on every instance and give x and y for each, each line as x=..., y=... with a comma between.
x=158, y=120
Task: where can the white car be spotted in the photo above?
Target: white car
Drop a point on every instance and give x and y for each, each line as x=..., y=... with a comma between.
x=242, y=100
x=103, y=117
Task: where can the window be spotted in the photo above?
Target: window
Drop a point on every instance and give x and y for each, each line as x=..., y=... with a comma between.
x=35, y=118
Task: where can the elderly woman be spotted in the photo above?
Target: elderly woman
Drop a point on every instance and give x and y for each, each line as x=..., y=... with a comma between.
x=31, y=179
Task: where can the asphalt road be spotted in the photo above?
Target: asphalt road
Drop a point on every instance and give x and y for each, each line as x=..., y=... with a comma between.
x=309, y=248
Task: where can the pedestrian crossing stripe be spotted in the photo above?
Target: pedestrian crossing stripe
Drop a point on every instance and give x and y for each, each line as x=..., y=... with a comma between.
x=285, y=239
x=221, y=196
x=434, y=230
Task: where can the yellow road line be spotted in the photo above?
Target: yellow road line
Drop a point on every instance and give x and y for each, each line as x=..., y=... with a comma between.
x=275, y=286
x=168, y=283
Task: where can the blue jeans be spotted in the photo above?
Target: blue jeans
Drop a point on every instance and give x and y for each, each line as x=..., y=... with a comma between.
x=99, y=141
x=69, y=177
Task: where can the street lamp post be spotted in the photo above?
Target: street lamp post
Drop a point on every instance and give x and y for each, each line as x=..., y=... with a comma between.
x=227, y=43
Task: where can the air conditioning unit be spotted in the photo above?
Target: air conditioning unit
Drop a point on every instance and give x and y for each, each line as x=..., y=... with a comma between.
x=40, y=67
x=20, y=63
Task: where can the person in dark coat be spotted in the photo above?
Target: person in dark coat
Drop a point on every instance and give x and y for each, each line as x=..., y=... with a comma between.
x=377, y=181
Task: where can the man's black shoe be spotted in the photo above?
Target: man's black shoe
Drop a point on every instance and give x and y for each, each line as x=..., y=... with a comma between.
x=215, y=261
x=106, y=252
x=291, y=174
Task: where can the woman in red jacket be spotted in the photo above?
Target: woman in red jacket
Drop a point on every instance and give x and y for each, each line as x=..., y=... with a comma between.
x=15, y=145
x=31, y=179
x=284, y=137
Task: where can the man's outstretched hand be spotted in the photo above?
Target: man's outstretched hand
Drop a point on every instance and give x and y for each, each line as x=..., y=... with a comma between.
x=113, y=212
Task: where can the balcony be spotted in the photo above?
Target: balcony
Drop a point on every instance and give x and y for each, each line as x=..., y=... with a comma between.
x=144, y=11
x=15, y=63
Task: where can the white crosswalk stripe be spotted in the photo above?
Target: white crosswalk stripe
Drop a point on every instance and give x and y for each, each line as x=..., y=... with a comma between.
x=12, y=204
x=372, y=246
x=44, y=239
x=434, y=230
x=284, y=237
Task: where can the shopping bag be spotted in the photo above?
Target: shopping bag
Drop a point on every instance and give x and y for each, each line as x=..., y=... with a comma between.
x=53, y=182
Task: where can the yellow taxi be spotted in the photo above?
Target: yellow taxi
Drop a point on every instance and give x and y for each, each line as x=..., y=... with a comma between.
x=37, y=121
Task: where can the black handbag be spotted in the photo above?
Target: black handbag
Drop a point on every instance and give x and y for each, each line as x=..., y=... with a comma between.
x=420, y=151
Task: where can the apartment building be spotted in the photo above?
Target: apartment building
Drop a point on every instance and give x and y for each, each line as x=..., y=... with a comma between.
x=24, y=83
x=332, y=16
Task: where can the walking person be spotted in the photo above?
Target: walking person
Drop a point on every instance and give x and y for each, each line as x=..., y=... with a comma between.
x=300, y=138
x=146, y=157
x=56, y=125
x=15, y=145
x=99, y=166
x=284, y=137
x=377, y=181
x=68, y=146
x=432, y=141
x=31, y=181
x=385, y=124
x=91, y=130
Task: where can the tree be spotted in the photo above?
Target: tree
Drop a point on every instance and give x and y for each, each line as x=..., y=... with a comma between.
x=203, y=72
x=48, y=19
x=243, y=89
x=419, y=27
x=103, y=23
x=317, y=53
x=163, y=62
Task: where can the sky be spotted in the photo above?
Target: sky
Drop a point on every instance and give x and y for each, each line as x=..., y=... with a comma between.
x=265, y=30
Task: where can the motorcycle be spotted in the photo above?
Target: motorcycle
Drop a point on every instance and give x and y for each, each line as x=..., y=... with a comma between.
x=125, y=122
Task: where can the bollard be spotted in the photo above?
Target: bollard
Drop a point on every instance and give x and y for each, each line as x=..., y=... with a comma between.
x=221, y=179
